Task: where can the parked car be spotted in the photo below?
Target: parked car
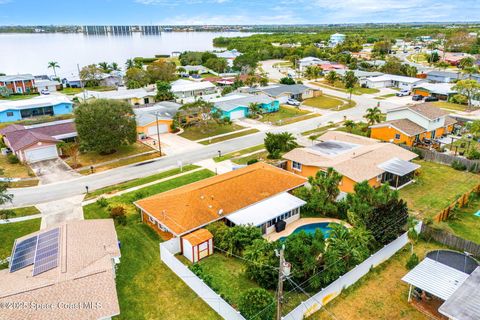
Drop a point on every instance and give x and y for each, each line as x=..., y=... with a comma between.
x=293, y=102
x=431, y=99
x=45, y=92
x=417, y=97
x=403, y=93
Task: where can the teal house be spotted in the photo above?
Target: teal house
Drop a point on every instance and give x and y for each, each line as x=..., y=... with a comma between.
x=237, y=106
x=48, y=105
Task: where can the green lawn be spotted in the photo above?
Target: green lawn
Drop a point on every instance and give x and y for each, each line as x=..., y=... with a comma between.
x=339, y=86
x=72, y=91
x=360, y=129
x=282, y=115
x=385, y=96
x=11, y=231
x=18, y=170
x=466, y=225
x=330, y=103
x=197, y=132
x=229, y=136
x=319, y=130
x=260, y=156
x=437, y=186
x=92, y=158
x=381, y=294
x=450, y=105
x=25, y=211
x=238, y=153
x=139, y=182
x=14, y=97
x=147, y=288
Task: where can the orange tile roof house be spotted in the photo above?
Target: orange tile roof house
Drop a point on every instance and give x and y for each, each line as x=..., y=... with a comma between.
x=63, y=272
x=257, y=194
x=357, y=158
x=414, y=124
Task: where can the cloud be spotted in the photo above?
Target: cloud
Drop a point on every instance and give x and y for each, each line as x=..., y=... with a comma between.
x=237, y=19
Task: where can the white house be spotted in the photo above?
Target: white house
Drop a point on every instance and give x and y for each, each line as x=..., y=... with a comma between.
x=134, y=97
x=393, y=81
x=48, y=85
x=337, y=38
x=191, y=89
x=310, y=61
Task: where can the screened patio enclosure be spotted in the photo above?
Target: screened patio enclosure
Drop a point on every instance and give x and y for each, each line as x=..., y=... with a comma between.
x=398, y=172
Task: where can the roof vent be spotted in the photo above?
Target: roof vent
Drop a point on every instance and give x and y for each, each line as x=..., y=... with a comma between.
x=220, y=212
x=202, y=197
x=210, y=206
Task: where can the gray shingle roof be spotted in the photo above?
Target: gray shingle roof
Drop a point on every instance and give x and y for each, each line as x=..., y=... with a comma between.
x=164, y=109
x=17, y=77
x=282, y=89
x=237, y=100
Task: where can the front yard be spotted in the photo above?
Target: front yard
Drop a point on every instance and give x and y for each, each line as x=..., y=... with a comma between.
x=17, y=170
x=284, y=115
x=229, y=136
x=436, y=187
x=239, y=153
x=197, y=132
x=147, y=288
x=381, y=294
x=450, y=106
x=330, y=103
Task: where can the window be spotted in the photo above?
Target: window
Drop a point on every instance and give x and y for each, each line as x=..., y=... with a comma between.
x=297, y=166
x=379, y=177
x=151, y=219
x=397, y=136
x=9, y=114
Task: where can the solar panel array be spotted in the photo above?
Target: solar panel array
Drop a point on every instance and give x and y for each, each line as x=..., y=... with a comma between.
x=41, y=251
x=23, y=254
x=46, y=256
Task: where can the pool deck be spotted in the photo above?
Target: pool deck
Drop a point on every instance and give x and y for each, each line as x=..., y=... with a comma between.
x=274, y=236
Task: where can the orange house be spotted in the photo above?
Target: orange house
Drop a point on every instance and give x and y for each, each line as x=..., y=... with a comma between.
x=155, y=119
x=21, y=83
x=413, y=124
x=356, y=158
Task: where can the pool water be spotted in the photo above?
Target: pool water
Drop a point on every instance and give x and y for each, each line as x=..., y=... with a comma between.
x=311, y=228
x=477, y=214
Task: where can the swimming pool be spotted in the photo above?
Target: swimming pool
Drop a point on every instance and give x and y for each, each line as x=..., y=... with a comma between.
x=312, y=227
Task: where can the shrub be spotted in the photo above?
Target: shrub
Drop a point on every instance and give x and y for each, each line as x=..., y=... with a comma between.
x=412, y=261
x=139, y=195
x=418, y=152
x=102, y=202
x=457, y=165
x=12, y=159
x=474, y=154
x=459, y=98
x=258, y=303
x=252, y=161
x=118, y=215
x=198, y=271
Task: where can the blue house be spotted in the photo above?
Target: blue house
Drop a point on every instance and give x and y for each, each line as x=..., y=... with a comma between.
x=50, y=105
x=236, y=106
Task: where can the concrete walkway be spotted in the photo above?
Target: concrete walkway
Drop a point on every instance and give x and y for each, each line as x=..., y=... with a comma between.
x=217, y=167
x=61, y=210
x=20, y=219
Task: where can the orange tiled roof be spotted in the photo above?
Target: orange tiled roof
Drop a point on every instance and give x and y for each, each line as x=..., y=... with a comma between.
x=198, y=236
x=197, y=204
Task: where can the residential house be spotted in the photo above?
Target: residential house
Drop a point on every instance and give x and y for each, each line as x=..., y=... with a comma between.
x=337, y=38
x=229, y=55
x=38, y=142
x=450, y=280
x=413, y=124
x=66, y=271
x=361, y=75
x=443, y=76
x=283, y=92
x=192, y=89
x=393, y=81
x=193, y=70
x=306, y=62
x=48, y=105
x=442, y=91
x=155, y=119
x=72, y=81
x=454, y=57
x=356, y=158
x=112, y=79
x=20, y=83
x=237, y=105
x=135, y=97
x=258, y=195
x=47, y=85
x=327, y=67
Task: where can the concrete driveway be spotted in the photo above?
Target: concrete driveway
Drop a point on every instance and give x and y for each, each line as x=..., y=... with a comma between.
x=172, y=143
x=50, y=171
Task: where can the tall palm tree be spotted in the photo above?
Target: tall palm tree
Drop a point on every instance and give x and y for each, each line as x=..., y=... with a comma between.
x=54, y=65
x=104, y=67
x=349, y=124
x=411, y=231
x=254, y=109
x=114, y=66
x=129, y=64
x=373, y=115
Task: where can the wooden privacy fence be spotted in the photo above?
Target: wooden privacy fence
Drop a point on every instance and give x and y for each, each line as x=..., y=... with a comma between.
x=443, y=158
x=451, y=240
x=461, y=202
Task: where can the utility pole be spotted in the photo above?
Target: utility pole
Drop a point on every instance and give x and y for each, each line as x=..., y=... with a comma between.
x=158, y=135
x=280, y=284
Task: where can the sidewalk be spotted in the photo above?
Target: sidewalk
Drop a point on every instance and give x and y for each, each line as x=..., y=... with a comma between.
x=222, y=135
x=20, y=219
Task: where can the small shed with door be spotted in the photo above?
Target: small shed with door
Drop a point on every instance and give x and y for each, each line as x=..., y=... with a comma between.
x=197, y=245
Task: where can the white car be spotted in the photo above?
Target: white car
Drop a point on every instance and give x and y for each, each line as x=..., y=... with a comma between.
x=45, y=92
x=293, y=102
x=403, y=93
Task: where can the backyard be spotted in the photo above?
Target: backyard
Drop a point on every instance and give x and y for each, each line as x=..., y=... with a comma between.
x=197, y=132
x=381, y=294
x=147, y=288
x=436, y=187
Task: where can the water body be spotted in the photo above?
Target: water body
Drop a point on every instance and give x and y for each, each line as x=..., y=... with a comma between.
x=30, y=53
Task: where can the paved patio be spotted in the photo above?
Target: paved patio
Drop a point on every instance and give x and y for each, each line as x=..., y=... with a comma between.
x=291, y=227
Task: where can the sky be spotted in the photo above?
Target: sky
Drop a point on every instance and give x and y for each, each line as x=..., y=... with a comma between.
x=231, y=12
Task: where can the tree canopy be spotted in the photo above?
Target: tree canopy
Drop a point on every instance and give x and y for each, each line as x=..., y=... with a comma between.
x=104, y=125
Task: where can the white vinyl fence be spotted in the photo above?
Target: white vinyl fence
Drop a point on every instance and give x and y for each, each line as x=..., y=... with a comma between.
x=168, y=250
x=327, y=294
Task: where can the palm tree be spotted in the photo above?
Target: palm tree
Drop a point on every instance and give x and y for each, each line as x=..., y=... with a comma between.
x=411, y=231
x=129, y=64
x=54, y=65
x=114, y=66
x=104, y=67
x=373, y=115
x=350, y=125
x=254, y=109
